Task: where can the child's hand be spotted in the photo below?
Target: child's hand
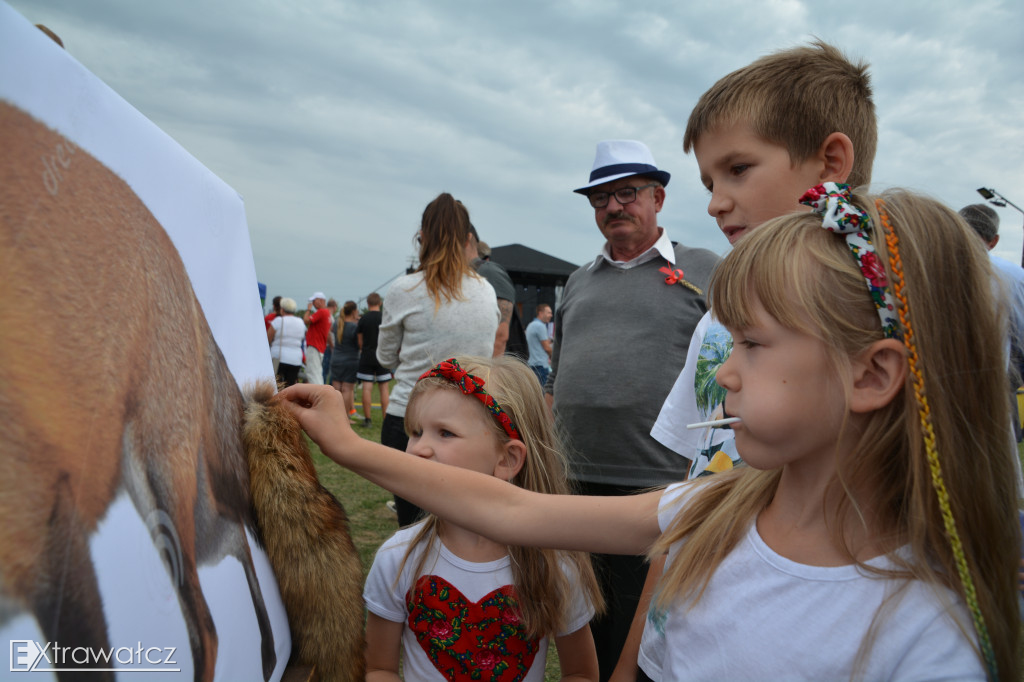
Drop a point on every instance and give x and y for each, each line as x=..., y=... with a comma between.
x=321, y=413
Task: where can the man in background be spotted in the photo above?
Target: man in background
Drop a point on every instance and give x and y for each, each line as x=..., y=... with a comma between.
x=498, y=278
x=622, y=330
x=985, y=222
x=539, y=344
x=370, y=370
x=318, y=327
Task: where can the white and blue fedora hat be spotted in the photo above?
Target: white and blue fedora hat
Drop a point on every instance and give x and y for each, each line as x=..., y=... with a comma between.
x=620, y=159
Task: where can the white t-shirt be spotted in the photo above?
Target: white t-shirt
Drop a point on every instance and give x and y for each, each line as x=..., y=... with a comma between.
x=458, y=619
x=764, y=617
x=289, y=333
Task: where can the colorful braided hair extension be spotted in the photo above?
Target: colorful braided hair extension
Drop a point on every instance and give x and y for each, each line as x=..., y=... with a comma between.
x=473, y=386
x=931, y=449
x=839, y=214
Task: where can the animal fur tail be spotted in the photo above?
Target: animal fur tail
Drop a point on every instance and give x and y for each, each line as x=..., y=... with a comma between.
x=305, y=532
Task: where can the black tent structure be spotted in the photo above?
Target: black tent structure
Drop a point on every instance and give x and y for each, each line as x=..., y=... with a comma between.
x=538, y=276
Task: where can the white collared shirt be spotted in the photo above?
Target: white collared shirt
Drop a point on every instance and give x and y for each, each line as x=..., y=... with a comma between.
x=662, y=248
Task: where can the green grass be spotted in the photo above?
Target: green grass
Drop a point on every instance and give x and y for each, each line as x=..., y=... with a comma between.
x=371, y=521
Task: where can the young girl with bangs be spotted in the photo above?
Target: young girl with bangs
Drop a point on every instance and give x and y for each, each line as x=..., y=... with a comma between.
x=873, y=534
x=460, y=606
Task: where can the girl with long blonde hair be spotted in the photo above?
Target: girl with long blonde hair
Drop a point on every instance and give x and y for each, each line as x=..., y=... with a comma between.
x=455, y=603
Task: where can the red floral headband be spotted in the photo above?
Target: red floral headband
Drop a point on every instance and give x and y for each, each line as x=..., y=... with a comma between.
x=474, y=386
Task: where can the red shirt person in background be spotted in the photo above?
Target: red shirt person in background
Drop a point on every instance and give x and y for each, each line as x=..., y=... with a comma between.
x=318, y=323
x=269, y=317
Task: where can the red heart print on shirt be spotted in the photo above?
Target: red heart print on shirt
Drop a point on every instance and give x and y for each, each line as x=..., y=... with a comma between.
x=467, y=640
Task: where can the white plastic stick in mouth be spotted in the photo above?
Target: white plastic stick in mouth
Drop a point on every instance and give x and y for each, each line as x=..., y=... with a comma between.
x=714, y=423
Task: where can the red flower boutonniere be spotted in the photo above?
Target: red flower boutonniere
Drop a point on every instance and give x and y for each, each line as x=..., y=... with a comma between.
x=675, y=276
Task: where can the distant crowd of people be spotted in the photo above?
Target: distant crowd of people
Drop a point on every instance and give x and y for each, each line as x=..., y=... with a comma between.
x=324, y=347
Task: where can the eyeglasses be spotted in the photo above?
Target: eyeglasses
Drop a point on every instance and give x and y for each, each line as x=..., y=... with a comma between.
x=623, y=195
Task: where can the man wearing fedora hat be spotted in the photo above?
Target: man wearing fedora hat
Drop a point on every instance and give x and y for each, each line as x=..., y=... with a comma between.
x=318, y=323
x=622, y=330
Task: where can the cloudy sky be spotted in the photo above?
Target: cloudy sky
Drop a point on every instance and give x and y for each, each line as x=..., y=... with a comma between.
x=338, y=121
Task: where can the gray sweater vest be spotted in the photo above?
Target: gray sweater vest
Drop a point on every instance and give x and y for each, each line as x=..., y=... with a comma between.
x=621, y=338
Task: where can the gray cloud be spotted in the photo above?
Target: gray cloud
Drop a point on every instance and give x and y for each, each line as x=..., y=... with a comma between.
x=339, y=121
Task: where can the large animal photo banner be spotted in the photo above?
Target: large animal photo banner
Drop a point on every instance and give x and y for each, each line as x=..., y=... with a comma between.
x=129, y=321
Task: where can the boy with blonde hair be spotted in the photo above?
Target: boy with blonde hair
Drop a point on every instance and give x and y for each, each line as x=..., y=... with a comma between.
x=762, y=136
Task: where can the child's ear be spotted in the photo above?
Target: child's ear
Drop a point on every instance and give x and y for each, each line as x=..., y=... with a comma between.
x=836, y=153
x=512, y=459
x=878, y=375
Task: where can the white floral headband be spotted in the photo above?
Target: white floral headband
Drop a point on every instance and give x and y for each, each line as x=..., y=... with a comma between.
x=833, y=202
